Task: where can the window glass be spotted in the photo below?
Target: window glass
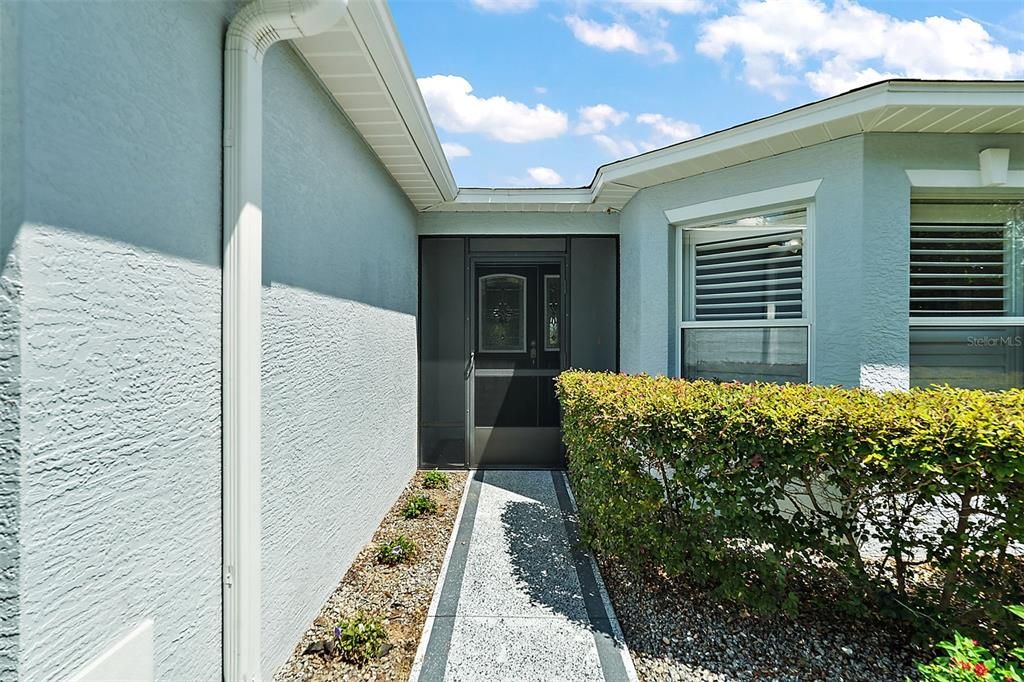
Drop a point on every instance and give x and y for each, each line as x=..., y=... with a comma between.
x=502, y=314
x=989, y=357
x=772, y=354
x=552, y=316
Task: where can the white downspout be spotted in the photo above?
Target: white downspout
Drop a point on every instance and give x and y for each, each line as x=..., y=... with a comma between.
x=255, y=28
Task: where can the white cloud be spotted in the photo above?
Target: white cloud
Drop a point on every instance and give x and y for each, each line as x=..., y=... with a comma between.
x=662, y=131
x=546, y=177
x=671, y=6
x=668, y=130
x=594, y=119
x=618, y=148
x=505, y=6
x=454, y=150
x=540, y=89
x=845, y=45
x=454, y=108
x=619, y=36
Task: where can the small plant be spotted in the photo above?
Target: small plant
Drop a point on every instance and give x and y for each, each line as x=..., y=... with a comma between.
x=360, y=638
x=435, y=480
x=968, y=661
x=418, y=506
x=396, y=550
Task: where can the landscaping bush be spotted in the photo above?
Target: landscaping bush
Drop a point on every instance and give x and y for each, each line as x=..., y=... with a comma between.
x=418, y=506
x=360, y=638
x=435, y=480
x=966, y=660
x=916, y=498
x=396, y=550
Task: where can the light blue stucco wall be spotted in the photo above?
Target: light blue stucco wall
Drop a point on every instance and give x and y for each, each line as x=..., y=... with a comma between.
x=498, y=223
x=860, y=249
x=339, y=349
x=10, y=347
x=110, y=342
x=118, y=247
x=647, y=249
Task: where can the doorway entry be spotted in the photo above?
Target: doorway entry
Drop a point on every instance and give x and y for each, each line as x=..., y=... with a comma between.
x=499, y=318
x=516, y=352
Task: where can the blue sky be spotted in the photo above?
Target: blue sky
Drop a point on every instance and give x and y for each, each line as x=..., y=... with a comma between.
x=542, y=92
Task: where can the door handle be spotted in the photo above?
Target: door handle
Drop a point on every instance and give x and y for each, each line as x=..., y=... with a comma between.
x=533, y=351
x=470, y=364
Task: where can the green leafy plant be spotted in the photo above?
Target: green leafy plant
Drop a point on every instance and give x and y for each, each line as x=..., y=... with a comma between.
x=435, y=480
x=965, y=660
x=418, y=506
x=396, y=550
x=745, y=487
x=360, y=638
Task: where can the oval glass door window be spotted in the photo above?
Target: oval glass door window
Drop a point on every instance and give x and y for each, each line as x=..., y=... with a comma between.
x=502, y=320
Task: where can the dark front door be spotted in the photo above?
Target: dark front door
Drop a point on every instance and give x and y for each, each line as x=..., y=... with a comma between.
x=517, y=350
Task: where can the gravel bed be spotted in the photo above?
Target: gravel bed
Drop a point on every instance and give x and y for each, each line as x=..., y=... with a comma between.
x=678, y=632
x=401, y=594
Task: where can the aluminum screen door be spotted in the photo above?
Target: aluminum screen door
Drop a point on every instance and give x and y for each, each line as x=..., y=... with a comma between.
x=517, y=349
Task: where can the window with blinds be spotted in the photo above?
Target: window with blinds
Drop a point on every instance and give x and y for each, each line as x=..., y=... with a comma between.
x=743, y=287
x=756, y=277
x=967, y=294
x=962, y=261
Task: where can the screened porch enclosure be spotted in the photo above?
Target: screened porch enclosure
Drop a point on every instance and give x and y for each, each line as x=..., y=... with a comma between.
x=499, y=319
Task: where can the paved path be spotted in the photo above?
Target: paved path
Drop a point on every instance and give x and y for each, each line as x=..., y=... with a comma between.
x=518, y=598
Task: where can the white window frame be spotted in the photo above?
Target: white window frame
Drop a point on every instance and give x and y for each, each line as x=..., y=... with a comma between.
x=800, y=196
x=940, y=185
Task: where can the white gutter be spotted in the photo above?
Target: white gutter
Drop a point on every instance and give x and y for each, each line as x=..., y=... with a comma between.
x=255, y=28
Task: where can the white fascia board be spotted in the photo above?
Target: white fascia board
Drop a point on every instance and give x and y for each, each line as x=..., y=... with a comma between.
x=960, y=179
x=751, y=201
x=526, y=196
x=373, y=20
x=858, y=103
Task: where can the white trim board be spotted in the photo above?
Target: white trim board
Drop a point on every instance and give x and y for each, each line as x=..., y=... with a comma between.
x=777, y=196
x=953, y=179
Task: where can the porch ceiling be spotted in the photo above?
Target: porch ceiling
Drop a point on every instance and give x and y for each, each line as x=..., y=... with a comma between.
x=363, y=65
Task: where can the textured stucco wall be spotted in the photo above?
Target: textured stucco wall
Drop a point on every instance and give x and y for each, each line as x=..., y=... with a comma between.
x=860, y=244
x=886, y=242
x=119, y=250
x=10, y=347
x=647, y=256
x=481, y=223
x=339, y=349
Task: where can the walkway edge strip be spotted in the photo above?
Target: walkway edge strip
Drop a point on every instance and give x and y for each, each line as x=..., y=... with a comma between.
x=585, y=564
x=449, y=580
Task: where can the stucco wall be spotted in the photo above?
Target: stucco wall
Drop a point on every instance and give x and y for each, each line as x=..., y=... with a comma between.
x=484, y=223
x=10, y=347
x=860, y=249
x=647, y=254
x=339, y=349
x=118, y=246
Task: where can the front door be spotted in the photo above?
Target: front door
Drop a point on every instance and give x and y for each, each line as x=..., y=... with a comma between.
x=517, y=350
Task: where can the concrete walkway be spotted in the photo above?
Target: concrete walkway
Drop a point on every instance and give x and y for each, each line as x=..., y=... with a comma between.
x=518, y=599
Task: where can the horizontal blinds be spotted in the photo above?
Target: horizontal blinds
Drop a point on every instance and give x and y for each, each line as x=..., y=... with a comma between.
x=758, y=277
x=960, y=261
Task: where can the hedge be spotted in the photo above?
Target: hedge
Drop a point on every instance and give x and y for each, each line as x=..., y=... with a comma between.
x=914, y=500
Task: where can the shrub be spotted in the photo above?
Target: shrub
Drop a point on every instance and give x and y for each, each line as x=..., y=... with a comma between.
x=966, y=660
x=360, y=638
x=435, y=480
x=418, y=506
x=396, y=550
x=742, y=485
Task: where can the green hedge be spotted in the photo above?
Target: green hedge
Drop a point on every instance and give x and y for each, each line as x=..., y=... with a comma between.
x=746, y=486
